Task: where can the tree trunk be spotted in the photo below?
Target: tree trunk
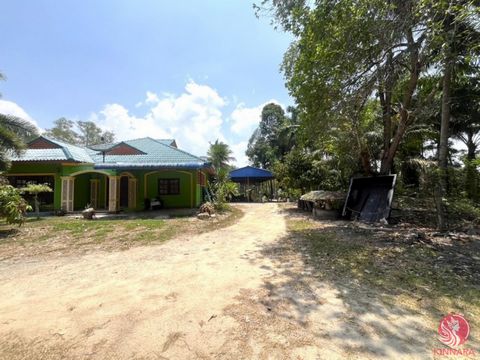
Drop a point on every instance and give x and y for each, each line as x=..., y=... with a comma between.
x=471, y=174
x=405, y=118
x=441, y=186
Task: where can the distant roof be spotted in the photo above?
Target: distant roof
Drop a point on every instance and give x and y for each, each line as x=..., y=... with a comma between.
x=140, y=153
x=250, y=174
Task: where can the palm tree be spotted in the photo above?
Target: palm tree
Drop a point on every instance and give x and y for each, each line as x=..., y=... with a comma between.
x=220, y=154
x=13, y=134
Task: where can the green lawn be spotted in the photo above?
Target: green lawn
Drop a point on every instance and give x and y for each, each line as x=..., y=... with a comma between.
x=67, y=234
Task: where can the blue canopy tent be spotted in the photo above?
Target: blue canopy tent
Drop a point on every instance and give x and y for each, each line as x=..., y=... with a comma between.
x=249, y=176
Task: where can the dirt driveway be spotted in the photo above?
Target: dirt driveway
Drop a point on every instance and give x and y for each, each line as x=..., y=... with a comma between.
x=233, y=293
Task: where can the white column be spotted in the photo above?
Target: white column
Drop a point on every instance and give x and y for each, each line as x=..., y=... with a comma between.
x=113, y=193
x=68, y=190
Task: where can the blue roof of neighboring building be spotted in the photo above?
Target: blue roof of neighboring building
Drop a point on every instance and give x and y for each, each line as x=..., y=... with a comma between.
x=250, y=173
x=152, y=153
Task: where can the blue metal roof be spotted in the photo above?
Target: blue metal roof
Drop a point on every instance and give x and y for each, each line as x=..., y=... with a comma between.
x=250, y=173
x=64, y=152
x=154, y=153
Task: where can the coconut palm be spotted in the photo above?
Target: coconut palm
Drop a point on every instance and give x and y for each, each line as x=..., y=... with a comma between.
x=13, y=134
x=220, y=154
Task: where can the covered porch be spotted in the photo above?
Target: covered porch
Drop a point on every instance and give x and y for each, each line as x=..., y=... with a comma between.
x=134, y=190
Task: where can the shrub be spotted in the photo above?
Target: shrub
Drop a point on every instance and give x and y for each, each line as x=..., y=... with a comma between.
x=12, y=206
x=464, y=210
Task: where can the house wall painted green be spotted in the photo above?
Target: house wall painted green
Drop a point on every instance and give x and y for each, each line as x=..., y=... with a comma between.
x=146, y=184
x=142, y=161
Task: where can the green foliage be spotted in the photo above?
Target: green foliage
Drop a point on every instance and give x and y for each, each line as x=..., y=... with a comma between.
x=14, y=133
x=222, y=188
x=375, y=83
x=464, y=210
x=220, y=154
x=12, y=206
x=63, y=130
x=85, y=133
x=304, y=171
x=274, y=137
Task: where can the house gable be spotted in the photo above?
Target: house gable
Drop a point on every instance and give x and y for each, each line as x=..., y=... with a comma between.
x=123, y=149
x=42, y=143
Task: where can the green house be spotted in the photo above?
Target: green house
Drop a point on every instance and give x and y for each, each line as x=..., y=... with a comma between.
x=128, y=175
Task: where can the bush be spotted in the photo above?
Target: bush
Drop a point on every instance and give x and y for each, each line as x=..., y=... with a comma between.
x=222, y=207
x=12, y=206
x=464, y=210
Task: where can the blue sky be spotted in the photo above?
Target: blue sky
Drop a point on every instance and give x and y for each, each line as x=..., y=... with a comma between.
x=194, y=70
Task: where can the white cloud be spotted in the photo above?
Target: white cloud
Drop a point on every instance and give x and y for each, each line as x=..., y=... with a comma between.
x=239, y=153
x=244, y=120
x=193, y=118
x=152, y=98
x=11, y=108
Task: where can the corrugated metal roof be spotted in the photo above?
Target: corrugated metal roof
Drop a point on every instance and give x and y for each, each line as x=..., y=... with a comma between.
x=66, y=152
x=157, y=153
x=74, y=152
x=169, y=142
x=41, y=155
x=250, y=172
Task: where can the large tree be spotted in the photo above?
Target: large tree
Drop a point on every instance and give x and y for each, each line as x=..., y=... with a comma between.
x=274, y=137
x=91, y=134
x=348, y=52
x=85, y=133
x=64, y=130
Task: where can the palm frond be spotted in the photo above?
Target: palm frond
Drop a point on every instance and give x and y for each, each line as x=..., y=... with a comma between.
x=22, y=128
x=10, y=141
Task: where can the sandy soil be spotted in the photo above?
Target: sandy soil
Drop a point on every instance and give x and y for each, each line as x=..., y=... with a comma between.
x=227, y=294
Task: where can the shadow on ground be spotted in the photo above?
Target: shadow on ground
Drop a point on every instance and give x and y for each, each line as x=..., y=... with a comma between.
x=370, y=291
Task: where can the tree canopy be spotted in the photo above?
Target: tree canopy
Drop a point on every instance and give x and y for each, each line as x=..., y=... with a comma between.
x=85, y=133
x=376, y=84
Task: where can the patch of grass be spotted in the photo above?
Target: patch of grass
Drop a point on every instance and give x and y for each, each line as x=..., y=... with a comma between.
x=414, y=275
x=63, y=234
